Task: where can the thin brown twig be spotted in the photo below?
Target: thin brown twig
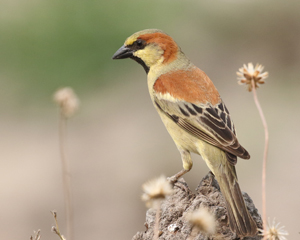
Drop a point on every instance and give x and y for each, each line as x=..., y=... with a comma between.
x=66, y=175
x=264, y=210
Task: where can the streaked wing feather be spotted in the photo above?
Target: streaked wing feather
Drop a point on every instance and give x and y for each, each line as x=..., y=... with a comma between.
x=209, y=123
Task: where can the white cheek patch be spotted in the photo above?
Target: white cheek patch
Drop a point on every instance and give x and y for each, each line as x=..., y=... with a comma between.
x=151, y=55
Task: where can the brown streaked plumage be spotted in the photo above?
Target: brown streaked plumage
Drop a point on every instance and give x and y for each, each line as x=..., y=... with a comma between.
x=194, y=115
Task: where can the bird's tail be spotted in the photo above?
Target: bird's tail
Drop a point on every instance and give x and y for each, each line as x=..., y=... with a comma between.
x=240, y=220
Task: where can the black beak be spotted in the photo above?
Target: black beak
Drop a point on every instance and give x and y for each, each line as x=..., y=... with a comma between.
x=123, y=52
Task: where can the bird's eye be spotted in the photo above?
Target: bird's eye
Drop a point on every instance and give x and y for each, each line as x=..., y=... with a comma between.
x=139, y=42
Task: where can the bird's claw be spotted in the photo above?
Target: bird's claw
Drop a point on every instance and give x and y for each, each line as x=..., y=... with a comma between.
x=172, y=179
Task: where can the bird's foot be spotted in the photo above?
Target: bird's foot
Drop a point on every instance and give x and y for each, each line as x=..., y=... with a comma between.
x=175, y=177
x=172, y=179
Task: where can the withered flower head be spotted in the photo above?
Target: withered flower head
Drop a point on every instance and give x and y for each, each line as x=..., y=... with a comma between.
x=247, y=74
x=274, y=232
x=67, y=100
x=156, y=190
x=203, y=220
x=37, y=235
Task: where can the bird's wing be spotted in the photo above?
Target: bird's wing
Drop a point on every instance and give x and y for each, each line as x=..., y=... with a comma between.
x=208, y=123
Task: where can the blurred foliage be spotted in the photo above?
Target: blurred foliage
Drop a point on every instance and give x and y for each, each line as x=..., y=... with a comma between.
x=48, y=44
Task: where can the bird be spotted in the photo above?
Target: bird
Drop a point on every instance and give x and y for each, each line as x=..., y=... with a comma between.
x=194, y=114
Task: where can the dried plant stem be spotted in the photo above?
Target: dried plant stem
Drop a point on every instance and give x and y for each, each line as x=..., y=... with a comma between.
x=264, y=211
x=156, y=226
x=56, y=228
x=66, y=176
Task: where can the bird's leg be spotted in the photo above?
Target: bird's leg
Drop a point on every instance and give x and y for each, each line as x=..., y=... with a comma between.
x=187, y=165
x=178, y=175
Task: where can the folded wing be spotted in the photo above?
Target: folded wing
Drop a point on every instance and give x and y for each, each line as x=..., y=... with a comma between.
x=208, y=123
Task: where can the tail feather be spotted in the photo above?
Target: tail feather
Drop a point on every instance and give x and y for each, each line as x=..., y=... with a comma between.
x=240, y=220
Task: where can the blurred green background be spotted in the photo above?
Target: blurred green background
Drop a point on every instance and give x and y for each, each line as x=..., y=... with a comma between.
x=116, y=142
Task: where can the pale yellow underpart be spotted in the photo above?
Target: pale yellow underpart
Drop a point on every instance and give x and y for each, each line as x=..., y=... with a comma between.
x=213, y=156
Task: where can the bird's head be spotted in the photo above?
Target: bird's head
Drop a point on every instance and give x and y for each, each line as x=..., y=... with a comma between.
x=150, y=47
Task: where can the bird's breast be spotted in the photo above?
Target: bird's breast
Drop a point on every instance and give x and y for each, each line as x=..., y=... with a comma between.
x=181, y=138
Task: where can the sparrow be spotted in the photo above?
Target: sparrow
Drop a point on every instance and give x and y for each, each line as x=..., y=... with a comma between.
x=194, y=114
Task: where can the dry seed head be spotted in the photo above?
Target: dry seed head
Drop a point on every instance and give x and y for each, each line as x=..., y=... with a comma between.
x=274, y=232
x=37, y=235
x=67, y=101
x=247, y=74
x=203, y=220
x=53, y=229
x=156, y=190
x=54, y=213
